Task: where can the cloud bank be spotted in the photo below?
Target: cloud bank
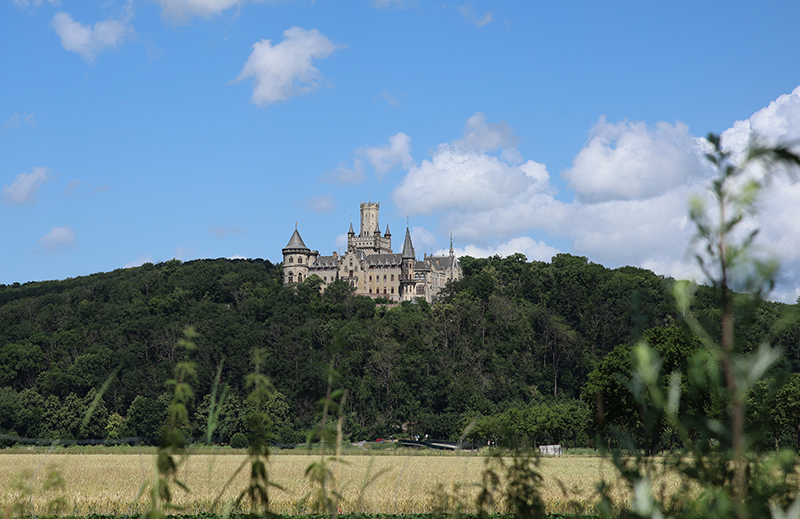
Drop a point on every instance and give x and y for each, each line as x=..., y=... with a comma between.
x=631, y=184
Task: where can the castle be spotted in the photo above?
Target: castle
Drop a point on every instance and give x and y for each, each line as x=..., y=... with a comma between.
x=370, y=266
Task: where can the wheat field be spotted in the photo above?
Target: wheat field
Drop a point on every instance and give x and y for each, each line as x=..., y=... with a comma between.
x=110, y=483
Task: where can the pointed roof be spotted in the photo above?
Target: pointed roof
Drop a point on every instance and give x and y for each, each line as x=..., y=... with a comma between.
x=408, y=248
x=295, y=242
x=377, y=228
x=387, y=231
x=351, y=231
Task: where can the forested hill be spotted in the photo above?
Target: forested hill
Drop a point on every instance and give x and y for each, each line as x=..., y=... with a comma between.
x=511, y=333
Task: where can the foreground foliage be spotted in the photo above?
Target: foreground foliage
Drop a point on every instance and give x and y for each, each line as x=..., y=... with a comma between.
x=703, y=403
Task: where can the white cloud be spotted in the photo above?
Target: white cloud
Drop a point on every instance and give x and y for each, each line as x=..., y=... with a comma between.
x=138, y=262
x=285, y=70
x=422, y=239
x=780, y=121
x=472, y=17
x=631, y=232
x=182, y=10
x=466, y=181
x=346, y=175
x=464, y=176
x=183, y=253
x=25, y=187
x=237, y=256
x=88, y=41
x=396, y=153
x=321, y=204
x=17, y=120
x=341, y=242
x=72, y=186
x=223, y=231
x=480, y=136
x=389, y=98
x=629, y=161
x=32, y=3
x=532, y=249
x=59, y=238
x=777, y=123
x=384, y=4
x=382, y=159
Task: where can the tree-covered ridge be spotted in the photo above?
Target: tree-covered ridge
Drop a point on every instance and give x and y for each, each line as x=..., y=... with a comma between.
x=512, y=335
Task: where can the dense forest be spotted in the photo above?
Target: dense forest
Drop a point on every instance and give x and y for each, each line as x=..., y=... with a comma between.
x=534, y=350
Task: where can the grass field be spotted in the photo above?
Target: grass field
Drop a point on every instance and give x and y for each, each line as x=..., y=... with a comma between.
x=110, y=483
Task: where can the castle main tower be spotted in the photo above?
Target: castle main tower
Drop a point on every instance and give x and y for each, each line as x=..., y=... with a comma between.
x=369, y=218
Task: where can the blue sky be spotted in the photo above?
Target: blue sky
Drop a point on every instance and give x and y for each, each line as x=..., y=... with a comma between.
x=139, y=130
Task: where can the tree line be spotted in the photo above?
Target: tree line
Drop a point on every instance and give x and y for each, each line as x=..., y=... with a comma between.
x=535, y=351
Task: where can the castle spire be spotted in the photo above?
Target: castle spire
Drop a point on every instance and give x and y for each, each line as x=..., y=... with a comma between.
x=296, y=242
x=408, y=248
x=452, y=252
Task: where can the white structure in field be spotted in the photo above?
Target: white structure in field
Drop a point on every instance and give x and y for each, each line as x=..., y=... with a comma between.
x=370, y=266
x=550, y=450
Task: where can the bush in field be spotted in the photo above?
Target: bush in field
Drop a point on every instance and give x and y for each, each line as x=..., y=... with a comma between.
x=239, y=441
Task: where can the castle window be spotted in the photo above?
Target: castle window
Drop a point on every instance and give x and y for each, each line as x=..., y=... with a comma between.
x=299, y=278
x=392, y=290
x=325, y=279
x=291, y=277
x=392, y=277
x=384, y=290
x=370, y=290
x=370, y=278
x=300, y=259
x=384, y=277
x=291, y=259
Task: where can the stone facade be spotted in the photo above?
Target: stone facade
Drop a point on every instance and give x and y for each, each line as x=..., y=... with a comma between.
x=370, y=266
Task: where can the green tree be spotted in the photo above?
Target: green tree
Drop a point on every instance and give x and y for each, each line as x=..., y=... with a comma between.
x=114, y=427
x=95, y=426
x=785, y=409
x=146, y=417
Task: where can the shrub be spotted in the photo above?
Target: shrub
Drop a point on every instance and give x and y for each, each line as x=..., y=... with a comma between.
x=239, y=441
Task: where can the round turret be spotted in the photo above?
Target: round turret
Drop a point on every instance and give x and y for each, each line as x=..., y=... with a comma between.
x=296, y=259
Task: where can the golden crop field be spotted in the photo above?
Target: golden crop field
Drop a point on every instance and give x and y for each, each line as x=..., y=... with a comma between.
x=110, y=483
